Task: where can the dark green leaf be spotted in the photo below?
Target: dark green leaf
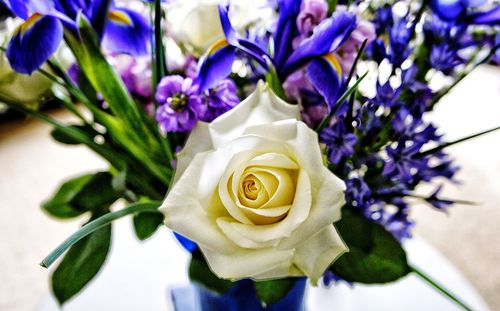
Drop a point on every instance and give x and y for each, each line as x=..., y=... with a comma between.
x=272, y=291
x=97, y=193
x=375, y=256
x=146, y=223
x=82, y=262
x=90, y=192
x=64, y=138
x=59, y=206
x=200, y=272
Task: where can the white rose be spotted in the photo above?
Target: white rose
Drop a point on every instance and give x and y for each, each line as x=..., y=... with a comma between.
x=197, y=22
x=251, y=189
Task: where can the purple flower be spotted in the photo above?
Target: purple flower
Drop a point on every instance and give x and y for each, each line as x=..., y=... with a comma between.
x=220, y=99
x=340, y=143
x=180, y=104
x=312, y=12
x=364, y=30
x=444, y=58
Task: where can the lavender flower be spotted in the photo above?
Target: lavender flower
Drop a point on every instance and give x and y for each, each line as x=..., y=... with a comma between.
x=180, y=104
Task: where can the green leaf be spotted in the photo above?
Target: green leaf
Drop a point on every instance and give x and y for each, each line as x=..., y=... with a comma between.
x=59, y=205
x=64, y=138
x=375, y=256
x=82, y=262
x=97, y=193
x=146, y=224
x=200, y=272
x=272, y=291
x=90, y=192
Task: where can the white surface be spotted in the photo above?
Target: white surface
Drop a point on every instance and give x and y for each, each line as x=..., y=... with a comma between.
x=137, y=275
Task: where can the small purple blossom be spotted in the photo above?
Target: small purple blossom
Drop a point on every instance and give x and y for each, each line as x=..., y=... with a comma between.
x=180, y=104
x=220, y=100
x=340, y=143
x=312, y=12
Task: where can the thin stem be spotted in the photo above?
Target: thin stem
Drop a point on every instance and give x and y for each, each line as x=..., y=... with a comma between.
x=439, y=288
x=96, y=225
x=445, y=145
x=348, y=93
x=465, y=74
x=356, y=60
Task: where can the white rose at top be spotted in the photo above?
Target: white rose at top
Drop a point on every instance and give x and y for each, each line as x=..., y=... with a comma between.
x=252, y=191
x=196, y=23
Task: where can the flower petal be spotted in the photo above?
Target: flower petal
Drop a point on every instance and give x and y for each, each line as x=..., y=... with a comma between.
x=327, y=37
x=491, y=17
x=215, y=65
x=286, y=30
x=185, y=214
x=316, y=254
x=250, y=235
x=325, y=210
x=325, y=74
x=261, y=107
x=302, y=141
x=127, y=32
x=34, y=42
x=250, y=263
x=18, y=7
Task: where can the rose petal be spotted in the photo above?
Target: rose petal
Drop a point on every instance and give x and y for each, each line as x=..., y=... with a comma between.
x=302, y=141
x=250, y=235
x=316, y=254
x=274, y=160
x=261, y=107
x=325, y=210
x=185, y=214
x=199, y=141
x=249, y=263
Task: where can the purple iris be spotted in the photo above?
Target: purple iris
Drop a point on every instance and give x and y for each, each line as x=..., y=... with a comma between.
x=180, y=104
x=314, y=51
x=121, y=30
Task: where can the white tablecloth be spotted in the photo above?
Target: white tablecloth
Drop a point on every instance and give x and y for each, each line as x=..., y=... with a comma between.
x=137, y=276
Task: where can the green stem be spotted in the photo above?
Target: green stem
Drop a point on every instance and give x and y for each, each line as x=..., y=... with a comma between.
x=327, y=119
x=445, y=145
x=96, y=225
x=439, y=288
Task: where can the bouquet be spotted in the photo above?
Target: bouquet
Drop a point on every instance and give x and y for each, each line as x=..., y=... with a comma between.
x=281, y=141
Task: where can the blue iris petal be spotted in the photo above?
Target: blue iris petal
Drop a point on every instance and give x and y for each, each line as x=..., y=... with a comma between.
x=328, y=36
x=18, y=7
x=127, y=32
x=325, y=74
x=34, y=42
x=448, y=9
x=98, y=14
x=286, y=30
x=248, y=47
x=491, y=17
x=215, y=65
